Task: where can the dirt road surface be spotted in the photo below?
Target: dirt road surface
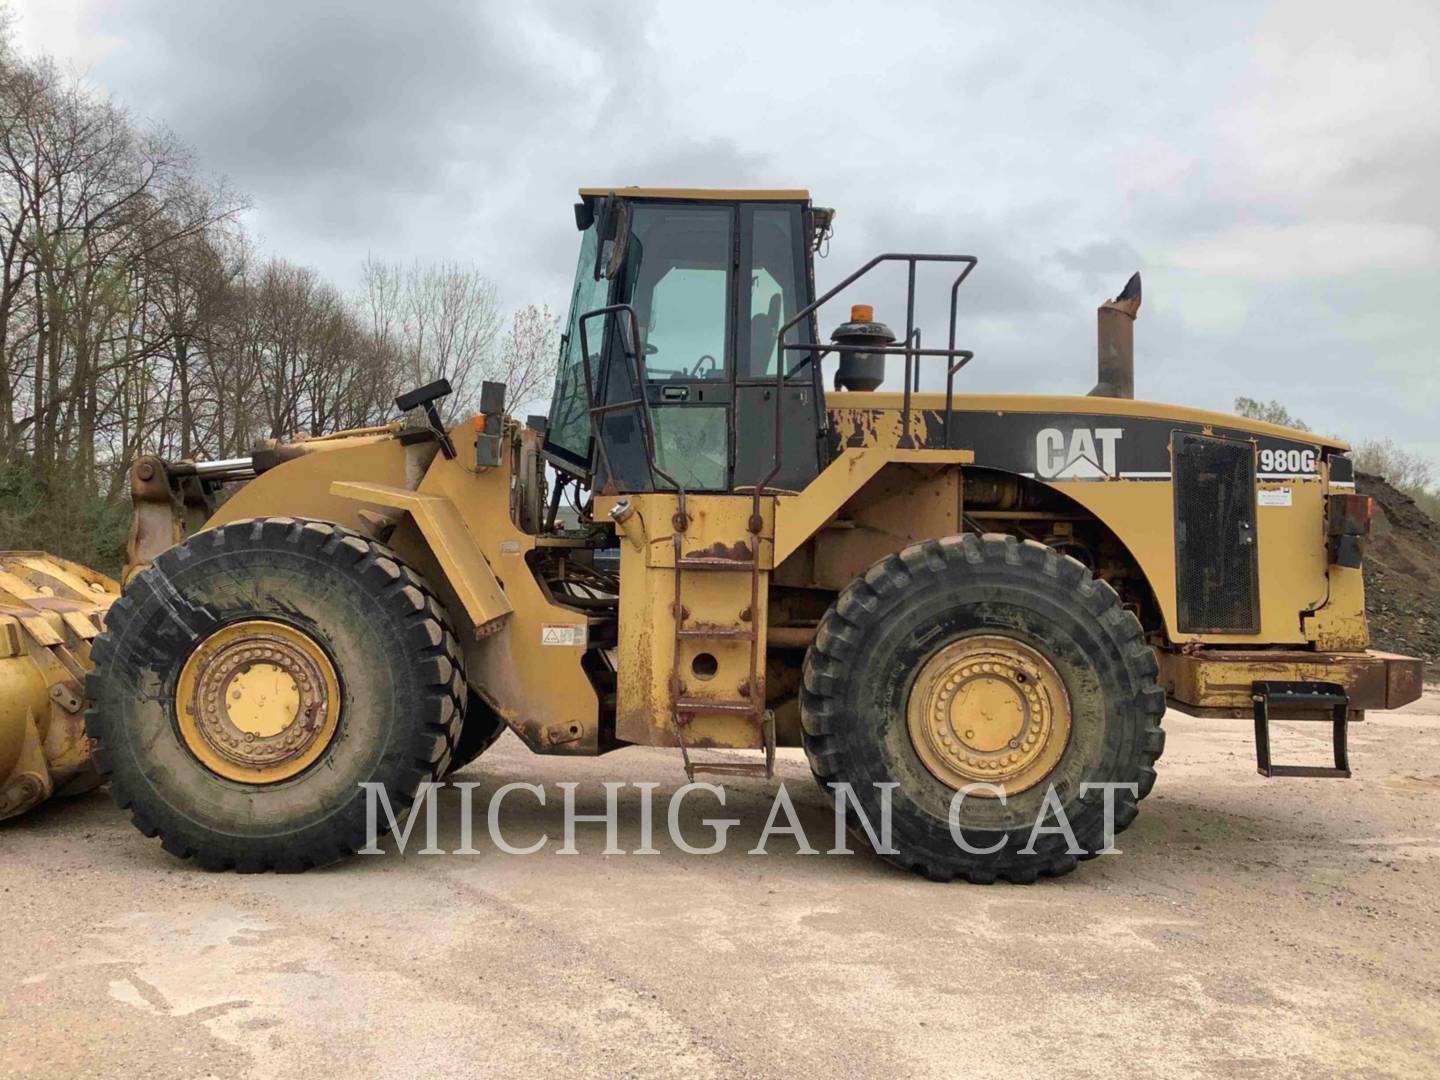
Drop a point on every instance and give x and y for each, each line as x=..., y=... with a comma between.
x=1251, y=927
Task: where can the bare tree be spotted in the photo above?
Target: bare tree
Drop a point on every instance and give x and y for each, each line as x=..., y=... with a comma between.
x=1272, y=412
x=136, y=317
x=443, y=320
x=529, y=356
x=90, y=204
x=1407, y=471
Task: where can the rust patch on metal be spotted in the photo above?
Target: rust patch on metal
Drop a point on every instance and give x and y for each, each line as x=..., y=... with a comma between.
x=1405, y=680
x=1223, y=678
x=559, y=734
x=736, y=552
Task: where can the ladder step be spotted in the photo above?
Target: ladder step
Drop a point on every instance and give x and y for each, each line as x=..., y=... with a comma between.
x=715, y=563
x=689, y=705
x=1323, y=771
x=735, y=632
x=730, y=768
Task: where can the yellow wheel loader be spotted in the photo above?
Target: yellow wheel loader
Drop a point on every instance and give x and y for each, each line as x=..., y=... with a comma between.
x=973, y=607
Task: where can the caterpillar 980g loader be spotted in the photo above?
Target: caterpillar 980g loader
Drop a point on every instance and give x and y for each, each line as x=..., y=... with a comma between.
x=930, y=591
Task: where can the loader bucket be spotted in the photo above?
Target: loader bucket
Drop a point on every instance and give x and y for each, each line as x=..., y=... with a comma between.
x=50, y=611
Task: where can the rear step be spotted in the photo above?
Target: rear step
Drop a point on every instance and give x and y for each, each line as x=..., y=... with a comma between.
x=1269, y=696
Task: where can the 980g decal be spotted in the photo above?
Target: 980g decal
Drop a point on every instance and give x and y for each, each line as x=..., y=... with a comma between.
x=1292, y=462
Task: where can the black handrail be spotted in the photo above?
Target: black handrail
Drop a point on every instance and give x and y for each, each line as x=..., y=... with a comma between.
x=911, y=349
x=635, y=367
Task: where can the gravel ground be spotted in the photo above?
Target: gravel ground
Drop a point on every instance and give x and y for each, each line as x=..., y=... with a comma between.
x=1251, y=927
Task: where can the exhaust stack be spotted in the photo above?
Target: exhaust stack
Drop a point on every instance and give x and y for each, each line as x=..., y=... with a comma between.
x=1116, y=342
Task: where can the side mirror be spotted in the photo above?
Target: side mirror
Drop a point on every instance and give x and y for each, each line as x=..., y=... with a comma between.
x=425, y=397
x=613, y=217
x=422, y=396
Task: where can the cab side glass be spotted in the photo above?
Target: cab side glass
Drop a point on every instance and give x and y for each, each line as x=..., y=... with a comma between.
x=569, y=432
x=775, y=290
x=677, y=276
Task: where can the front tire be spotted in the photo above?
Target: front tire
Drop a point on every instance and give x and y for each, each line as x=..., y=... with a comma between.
x=483, y=728
x=253, y=678
x=983, y=660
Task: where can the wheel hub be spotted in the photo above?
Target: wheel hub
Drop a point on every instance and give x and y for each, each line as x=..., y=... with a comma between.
x=258, y=701
x=989, y=709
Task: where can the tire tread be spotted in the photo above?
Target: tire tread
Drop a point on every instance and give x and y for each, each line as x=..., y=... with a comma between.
x=835, y=651
x=427, y=632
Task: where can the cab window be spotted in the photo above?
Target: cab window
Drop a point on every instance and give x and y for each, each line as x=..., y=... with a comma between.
x=568, y=435
x=677, y=277
x=773, y=263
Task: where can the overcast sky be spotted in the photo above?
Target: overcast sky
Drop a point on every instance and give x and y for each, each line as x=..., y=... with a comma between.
x=1272, y=169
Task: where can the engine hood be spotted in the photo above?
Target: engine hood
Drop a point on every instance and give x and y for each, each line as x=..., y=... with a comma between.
x=1078, y=406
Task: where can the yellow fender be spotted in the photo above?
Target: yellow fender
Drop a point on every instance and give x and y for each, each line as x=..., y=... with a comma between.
x=452, y=544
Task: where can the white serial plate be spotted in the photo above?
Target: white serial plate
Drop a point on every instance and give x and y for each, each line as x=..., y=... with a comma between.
x=1274, y=496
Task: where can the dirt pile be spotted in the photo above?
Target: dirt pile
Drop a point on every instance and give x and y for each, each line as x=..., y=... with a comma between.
x=1402, y=573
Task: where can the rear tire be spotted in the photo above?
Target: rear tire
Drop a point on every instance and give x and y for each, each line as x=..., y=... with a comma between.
x=888, y=629
x=400, y=687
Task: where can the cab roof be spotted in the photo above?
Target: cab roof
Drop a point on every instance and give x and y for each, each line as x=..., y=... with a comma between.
x=702, y=194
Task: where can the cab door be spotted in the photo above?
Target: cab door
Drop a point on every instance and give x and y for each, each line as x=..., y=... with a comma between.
x=679, y=275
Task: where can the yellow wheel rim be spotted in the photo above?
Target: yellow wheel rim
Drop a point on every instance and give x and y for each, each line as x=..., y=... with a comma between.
x=989, y=710
x=258, y=702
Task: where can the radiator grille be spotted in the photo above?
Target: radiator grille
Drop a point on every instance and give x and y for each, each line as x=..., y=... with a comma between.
x=1216, y=549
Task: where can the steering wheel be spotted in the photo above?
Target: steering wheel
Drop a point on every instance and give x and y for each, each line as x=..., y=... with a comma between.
x=700, y=366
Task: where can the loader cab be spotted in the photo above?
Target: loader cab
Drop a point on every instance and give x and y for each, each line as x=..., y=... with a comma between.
x=677, y=302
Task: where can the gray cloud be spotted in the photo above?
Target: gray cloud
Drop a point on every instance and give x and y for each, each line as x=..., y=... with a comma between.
x=1270, y=168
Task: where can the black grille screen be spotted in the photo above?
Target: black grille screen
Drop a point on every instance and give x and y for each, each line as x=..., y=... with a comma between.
x=1215, y=548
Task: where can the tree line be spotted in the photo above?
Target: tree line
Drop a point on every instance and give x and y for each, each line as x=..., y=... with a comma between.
x=137, y=316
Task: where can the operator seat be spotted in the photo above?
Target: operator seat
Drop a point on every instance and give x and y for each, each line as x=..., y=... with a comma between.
x=763, y=328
